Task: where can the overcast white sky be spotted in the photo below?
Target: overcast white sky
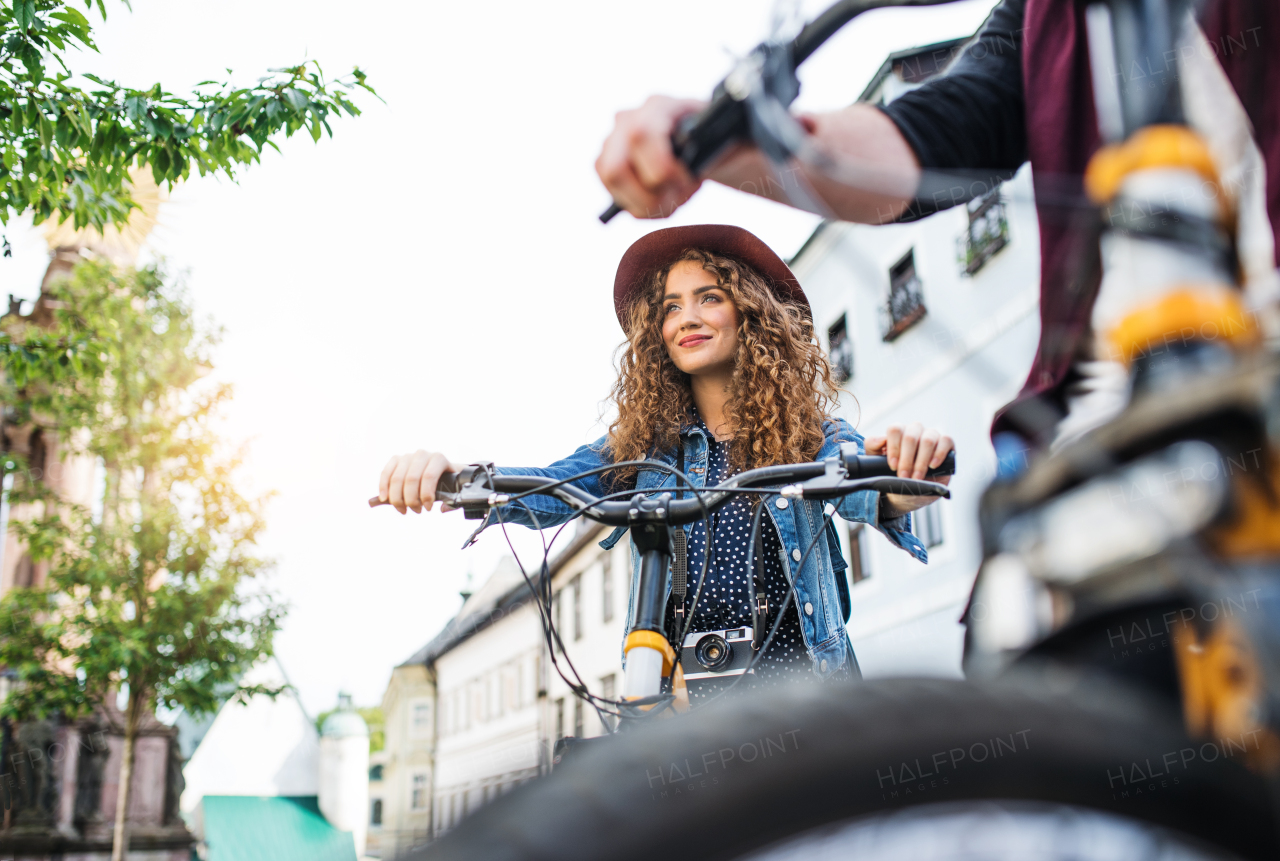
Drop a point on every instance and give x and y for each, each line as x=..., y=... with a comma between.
x=434, y=276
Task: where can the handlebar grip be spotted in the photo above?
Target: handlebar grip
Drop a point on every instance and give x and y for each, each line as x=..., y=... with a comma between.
x=869, y=465
x=449, y=482
x=699, y=139
x=608, y=214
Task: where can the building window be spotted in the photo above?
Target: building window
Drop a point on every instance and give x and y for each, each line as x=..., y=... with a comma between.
x=906, y=298
x=988, y=231
x=859, y=567
x=609, y=691
x=507, y=701
x=557, y=601
x=606, y=585
x=841, y=350
x=559, y=718
x=418, y=795
x=577, y=718
x=420, y=718
x=375, y=813
x=928, y=524
x=576, y=588
x=375, y=772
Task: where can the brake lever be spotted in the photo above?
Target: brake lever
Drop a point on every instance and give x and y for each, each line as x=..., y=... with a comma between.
x=823, y=487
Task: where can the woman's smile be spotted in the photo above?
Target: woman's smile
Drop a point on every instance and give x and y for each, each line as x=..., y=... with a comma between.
x=700, y=322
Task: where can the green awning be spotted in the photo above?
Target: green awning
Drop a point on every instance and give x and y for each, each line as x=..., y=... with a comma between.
x=283, y=828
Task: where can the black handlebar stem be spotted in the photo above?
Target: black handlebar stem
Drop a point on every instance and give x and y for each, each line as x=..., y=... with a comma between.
x=826, y=25
x=648, y=518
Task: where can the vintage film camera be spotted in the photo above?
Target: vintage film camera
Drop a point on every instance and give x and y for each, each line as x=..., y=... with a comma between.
x=714, y=654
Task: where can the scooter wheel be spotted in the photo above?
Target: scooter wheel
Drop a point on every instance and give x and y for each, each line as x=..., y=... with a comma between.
x=739, y=776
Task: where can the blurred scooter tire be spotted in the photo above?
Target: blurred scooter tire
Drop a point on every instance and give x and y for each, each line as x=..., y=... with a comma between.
x=734, y=777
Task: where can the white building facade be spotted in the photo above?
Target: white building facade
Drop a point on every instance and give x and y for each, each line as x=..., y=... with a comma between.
x=267, y=746
x=488, y=683
x=268, y=750
x=344, y=772
x=477, y=711
x=400, y=774
x=591, y=588
x=934, y=321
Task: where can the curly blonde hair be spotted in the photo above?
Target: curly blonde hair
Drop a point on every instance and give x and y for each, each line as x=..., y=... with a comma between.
x=780, y=394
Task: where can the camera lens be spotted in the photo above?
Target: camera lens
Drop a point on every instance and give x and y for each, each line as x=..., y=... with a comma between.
x=713, y=653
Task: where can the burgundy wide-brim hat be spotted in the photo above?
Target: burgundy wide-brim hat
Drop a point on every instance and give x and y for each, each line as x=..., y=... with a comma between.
x=658, y=249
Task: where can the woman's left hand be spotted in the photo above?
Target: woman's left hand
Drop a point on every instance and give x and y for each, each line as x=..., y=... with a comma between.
x=913, y=450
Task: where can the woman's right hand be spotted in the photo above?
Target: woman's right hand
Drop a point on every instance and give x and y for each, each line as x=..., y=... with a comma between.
x=408, y=481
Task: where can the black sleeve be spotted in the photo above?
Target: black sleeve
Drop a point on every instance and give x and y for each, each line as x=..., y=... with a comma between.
x=968, y=127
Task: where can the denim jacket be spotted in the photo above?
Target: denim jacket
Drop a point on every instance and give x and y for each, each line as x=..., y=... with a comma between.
x=821, y=588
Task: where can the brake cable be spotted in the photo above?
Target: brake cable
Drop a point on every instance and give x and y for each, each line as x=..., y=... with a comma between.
x=544, y=597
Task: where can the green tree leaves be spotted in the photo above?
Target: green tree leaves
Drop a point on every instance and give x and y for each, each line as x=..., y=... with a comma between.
x=67, y=148
x=156, y=586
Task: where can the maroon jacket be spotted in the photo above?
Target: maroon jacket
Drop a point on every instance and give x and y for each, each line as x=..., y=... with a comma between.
x=1062, y=134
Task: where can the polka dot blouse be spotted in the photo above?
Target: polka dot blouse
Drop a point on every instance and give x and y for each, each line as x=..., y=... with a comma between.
x=726, y=595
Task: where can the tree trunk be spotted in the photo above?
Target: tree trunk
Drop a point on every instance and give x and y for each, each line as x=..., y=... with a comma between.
x=120, y=837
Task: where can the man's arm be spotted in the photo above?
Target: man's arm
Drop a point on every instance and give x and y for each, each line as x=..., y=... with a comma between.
x=970, y=119
x=967, y=128
x=879, y=169
x=645, y=178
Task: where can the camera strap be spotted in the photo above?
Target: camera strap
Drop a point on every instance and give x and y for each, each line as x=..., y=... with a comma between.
x=680, y=544
x=759, y=597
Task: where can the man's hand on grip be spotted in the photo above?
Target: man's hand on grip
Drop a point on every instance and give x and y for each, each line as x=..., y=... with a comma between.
x=636, y=162
x=408, y=481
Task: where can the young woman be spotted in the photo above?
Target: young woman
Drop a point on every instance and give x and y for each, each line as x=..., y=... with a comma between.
x=722, y=374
